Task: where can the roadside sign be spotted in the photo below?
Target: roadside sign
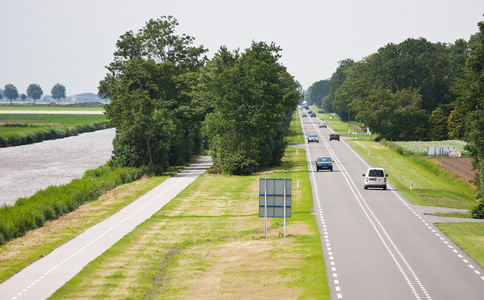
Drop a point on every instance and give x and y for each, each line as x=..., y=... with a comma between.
x=274, y=199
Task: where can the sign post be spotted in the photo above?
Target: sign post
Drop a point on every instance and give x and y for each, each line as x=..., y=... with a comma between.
x=274, y=199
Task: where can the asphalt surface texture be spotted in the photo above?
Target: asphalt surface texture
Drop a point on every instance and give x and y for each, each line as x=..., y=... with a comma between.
x=41, y=279
x=376, y=244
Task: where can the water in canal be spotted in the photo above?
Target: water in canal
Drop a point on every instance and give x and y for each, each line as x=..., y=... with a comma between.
x=24, y=170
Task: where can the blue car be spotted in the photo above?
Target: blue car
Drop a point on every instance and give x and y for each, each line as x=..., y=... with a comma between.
x=324, y=163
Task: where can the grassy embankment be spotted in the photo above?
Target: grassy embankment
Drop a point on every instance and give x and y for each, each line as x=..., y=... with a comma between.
x=21, y=129
x=432, y=185
x=207, y=242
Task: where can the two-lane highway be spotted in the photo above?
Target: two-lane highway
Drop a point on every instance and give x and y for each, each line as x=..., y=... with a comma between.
x=376, y=245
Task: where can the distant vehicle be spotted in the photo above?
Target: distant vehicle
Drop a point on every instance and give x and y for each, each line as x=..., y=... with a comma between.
x=334, y=136
x=324, y=163
x=310, y=112
x=313, y=138
x=323, y=125
x=375, y=177
x=313, y=115
x=304, y=115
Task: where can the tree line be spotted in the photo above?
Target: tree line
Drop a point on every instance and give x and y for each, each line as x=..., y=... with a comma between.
x=415, y=90
x=170, y=102
x=34, y=91
x=404, y=91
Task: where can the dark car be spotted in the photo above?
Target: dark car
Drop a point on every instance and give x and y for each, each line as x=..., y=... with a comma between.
x=313, y=115
x=324, y=163
x=334, y=136
x=323, y=125
x=304, y=115
x=313, y=138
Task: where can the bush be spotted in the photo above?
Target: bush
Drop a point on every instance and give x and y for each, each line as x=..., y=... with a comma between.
x=477, y=212
x=378, y=137
x=53, y=202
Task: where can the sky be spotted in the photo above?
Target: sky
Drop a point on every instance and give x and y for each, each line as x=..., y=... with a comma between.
x=72, y=41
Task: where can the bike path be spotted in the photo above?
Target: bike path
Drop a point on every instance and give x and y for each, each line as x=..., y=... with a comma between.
x=41, y=279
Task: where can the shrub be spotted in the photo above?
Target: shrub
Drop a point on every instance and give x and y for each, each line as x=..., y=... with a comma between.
x=477, y=212
x=53, y=202
x=377, y=137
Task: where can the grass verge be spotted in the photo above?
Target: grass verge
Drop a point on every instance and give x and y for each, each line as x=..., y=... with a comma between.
x=432, y=185
x=21, y=252
x=468, y=236
x=208, y=242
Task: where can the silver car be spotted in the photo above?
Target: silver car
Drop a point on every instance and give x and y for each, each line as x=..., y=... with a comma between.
x=313, y=138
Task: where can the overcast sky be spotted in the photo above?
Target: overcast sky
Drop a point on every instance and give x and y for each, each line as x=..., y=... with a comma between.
x=70, y=42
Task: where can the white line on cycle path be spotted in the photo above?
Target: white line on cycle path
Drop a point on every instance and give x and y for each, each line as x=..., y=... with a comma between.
x=41, y=279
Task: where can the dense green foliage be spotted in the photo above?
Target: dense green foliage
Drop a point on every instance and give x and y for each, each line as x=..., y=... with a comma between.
x=471, y=104
x=150, y=85
x=396, y=90
x=317, y=92
x=253, y=98
x=162, y=88
x=51, y=203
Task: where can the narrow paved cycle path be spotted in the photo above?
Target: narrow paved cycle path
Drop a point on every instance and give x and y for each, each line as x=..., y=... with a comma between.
x=41, y=279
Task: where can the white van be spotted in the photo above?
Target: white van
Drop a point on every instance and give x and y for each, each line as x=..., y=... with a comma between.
x=375, y=177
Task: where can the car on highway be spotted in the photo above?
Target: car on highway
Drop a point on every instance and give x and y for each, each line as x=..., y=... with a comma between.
x=323, y=125
x=304, y=115
x=375, y=177
x=313, y=138
x=334, y=136
x=313, y=115
x=324, y=163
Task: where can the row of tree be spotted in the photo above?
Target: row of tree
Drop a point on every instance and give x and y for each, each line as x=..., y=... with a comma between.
x=396, y=90
x=415, y=90
x=169, y=102
x=34, y=91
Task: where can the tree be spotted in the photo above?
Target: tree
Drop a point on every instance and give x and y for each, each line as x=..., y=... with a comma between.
x=10, y=92
x=438, y=125
x=254, y=98
x=471, y=104
x=34, y=91
x=455, y=125
x=396, y=116
x=337, y=79
x=23, y=97
x=58, y=92
x=152, y=85
x=318, y=91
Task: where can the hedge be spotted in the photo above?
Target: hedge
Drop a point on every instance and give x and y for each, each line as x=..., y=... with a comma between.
x=49, y=204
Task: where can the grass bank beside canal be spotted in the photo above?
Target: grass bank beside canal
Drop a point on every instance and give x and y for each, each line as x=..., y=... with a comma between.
x=27, y=128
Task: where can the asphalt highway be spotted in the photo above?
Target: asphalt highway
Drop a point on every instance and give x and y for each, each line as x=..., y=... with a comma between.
x=375, y=243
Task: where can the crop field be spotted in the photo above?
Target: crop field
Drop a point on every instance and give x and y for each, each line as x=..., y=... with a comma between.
x=420, y=148
x=50, y=119
x=20, y=129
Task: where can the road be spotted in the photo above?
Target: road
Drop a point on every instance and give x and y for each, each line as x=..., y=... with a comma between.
x=41, y=279
x=375, y=243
